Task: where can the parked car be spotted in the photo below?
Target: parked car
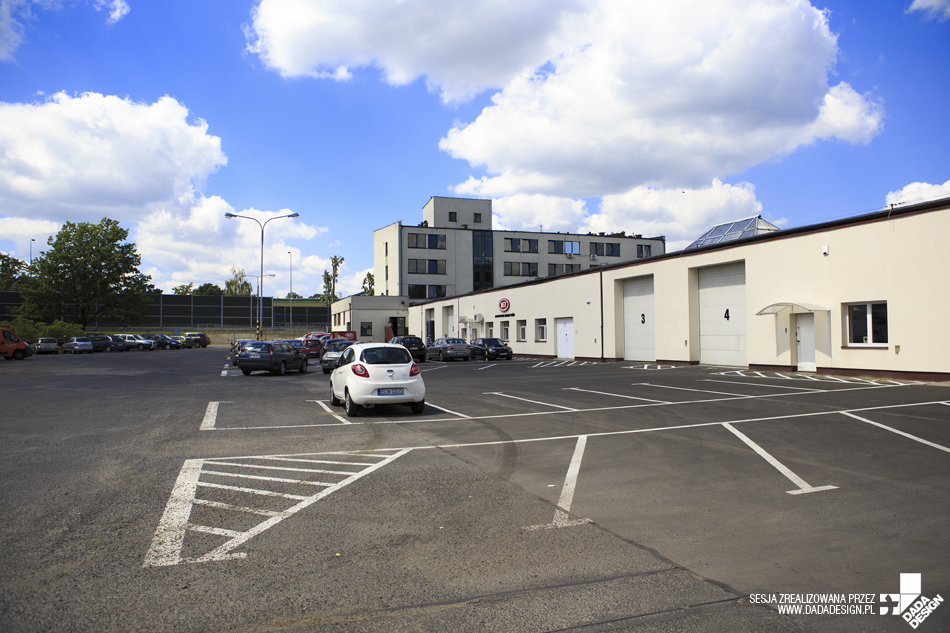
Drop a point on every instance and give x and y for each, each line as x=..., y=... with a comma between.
x=171, y=342
x=314, y=347
x=490, y=349
x=236, y=348
x=78, y=345
x=412, y=343
x=101, y=343
x=136, y=341
x=377, y=373
x=157, y=339
x=332, y=354
x=199, y=338
x=185, y=342
x=273, y=356
x=119, y=344
x=47, y=346
x=448, y=348
x=12, y=347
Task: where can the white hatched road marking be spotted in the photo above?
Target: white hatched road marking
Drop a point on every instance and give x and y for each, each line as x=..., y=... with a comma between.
x=169, y=538
x=651, y=367
x=745, y=373
x=803, y=487
x=893, y=430
x=461, y=415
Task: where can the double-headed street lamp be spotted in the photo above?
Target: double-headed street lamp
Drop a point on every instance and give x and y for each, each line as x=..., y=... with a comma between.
x=260, y=297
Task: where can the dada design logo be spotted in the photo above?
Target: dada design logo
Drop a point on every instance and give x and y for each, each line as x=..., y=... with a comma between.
x=910, y=604
x=503, y=305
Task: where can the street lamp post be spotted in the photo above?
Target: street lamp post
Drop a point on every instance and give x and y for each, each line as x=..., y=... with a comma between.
x=291, y=294
x=31, y=249
x=260, y=282
x=260, y=303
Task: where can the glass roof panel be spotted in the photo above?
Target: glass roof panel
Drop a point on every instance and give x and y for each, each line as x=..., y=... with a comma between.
x=718, y=230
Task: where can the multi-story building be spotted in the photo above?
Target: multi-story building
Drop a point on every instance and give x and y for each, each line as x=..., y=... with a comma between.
x=454, y=251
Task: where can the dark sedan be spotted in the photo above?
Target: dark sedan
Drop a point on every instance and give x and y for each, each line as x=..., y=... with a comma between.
x=102, y=343
x=449, y=348
x=490, y=349
x=273, y=356
x=412, y=343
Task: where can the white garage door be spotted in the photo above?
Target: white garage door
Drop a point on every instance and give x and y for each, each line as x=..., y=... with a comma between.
x=722, y=315
x=639, y=342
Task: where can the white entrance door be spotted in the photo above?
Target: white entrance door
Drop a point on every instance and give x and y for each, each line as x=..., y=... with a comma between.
x=639, y=342
x=805, y=324
x=722, y=315
x=565, y=337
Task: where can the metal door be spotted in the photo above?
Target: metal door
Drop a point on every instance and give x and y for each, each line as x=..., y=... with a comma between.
x=805, y=333
x=639, y=342
x=565, y=337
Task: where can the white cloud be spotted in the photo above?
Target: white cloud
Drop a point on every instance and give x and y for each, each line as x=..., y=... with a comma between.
x=19, y=232
x=117, y=9
x=96, y=154
x=681, y=215
x=935, y=9
x=918, y=192
x=349, y=283
x=665, y=95
x=460, y=48
x=523, y=212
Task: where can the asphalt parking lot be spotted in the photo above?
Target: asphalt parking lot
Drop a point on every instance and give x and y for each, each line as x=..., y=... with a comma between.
x=166, y=491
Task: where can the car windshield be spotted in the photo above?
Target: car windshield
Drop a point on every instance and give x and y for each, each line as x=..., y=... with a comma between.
x=47, y=340
x=257, y=346
x=454, y=341
x=339, y=346
x=412, y=340
x=83, y=340
x=491, y=342
x=386, y=356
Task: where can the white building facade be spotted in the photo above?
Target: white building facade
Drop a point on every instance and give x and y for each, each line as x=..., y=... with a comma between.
x=454, y=250
x=866, y=295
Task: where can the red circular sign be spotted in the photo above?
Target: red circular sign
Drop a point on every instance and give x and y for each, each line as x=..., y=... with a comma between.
x=503, y=305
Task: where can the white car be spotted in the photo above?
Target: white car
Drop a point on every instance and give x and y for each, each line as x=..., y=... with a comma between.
x=377, y=373
x=137, y=341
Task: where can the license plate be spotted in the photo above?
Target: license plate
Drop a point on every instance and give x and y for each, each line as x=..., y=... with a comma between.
x=253, y=355
x=389, y=392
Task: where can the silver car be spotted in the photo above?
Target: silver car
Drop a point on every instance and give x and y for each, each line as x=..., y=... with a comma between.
x=331, y=357
x=47, y=346
x=78, y=345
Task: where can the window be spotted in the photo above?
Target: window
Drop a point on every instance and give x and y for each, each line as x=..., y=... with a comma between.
x=522, y=330
x=366, y=328
x=386, y=249
x=529, y=246
x=386, y=273
x=504, y=330
x=417, y=291
x=867, y=323
x=596, y=248
x=491, y=329
x=541, y=328
x=478, y=217
x=571, y=268
x=453, y=216
x=436, y=267
x=643, y=250
x=422, y=240
x=512, y=245
x=427, y=266
x=612, y=250
x=521, y=269
x=435, y=292
x=562, y=246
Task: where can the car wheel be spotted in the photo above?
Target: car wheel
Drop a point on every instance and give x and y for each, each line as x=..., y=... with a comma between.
x=334, y=401
x=326, y=370
x=141, y=347
x=441, y=357
x=418, y=407
x=509, y=356
x=422, y=360
x=351, y=407
x=282, y=369
x=246, y=372
x=466, y=358
x=18, y=355
x=303, y=368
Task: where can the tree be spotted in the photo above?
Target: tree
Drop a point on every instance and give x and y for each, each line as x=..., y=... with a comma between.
x=328, y=296
x=184, y=289
x=368, y=284
x=238, y=285
x=209, y=289
x=293, y=295
x=336, y=261
x=89, y=272
x=10, y=270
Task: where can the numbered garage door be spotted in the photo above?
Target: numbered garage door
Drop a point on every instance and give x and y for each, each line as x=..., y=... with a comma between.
x=639, y=342
x=722, y=315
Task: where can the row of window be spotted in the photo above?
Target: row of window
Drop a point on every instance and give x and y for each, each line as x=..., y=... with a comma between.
x=454, y=217
x=521, y=269
x=519, y=245
x=521, y=325
x=526, y=245
x=427, y=266
x=419, y=291
x=605, y=249
x=426, y=240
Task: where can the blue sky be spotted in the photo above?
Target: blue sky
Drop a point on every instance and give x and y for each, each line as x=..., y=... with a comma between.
x=654, y=118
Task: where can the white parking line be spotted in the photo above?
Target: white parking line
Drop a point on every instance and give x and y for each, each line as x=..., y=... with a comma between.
x=759, y=384
x=486, y=367
x=615, y=395
x=720, y=393
x=327, y=408
x=211, y=416
x=435, y=406
x=546, y=404
x=434, y=368
x=803, y=487
x=561, y=516
x=892, y=430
